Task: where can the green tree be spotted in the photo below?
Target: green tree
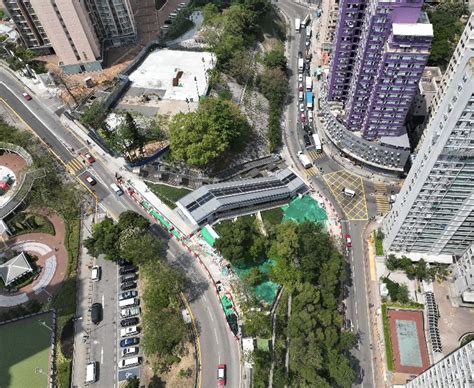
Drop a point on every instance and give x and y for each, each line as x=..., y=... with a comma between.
x=274, y=86
x=215, y=129
x=275, y=59
x=93, y=114
x=257, y=324
x=131, y=219
x=104, y=240
x=130, y=136
x=255, y=277
x=139, y=248
x=132, y=382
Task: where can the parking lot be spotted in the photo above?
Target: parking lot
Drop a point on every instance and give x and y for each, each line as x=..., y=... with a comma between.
x=355, y=208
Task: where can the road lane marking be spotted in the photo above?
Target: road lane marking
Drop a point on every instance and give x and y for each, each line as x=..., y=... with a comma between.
x=102, y=355
x=210, y=313
x=103, y=299
x=215, y=335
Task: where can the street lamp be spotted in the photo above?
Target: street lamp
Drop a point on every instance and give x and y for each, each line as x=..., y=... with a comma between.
x=197, y=89
x=187, y=102
x=204, y=65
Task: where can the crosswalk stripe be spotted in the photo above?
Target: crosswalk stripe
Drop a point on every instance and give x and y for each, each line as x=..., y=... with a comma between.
x=75, y=165
x=311, y=172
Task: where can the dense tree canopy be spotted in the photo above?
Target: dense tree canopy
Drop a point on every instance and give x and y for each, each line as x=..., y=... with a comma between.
x=216, y=128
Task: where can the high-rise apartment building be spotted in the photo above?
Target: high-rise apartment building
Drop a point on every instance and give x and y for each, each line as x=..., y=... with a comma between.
x=113, y=21
x=380, y=51
x=455, y=371
x=74, y=30
x=463, y=273
x=434, y=212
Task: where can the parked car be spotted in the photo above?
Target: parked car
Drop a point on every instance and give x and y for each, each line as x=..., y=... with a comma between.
x=128, y=277
x=129, y=342
x=300, y=96
x=128, y=295
x=300, y=86
x=128, y=331
x=348, y=241
x=129, y=362
x=90, y=159
x=123, y=262
x=131, y=351
x=128, y=286
x=90, y=180
x=300, y=77
x=26, y=96
x=127, y=269
x=307, y=141
x=129, y=322
x=96, y=313
x=130, y=312
x=301, y=107
x=300, y=54
x=303, y=118
x=221, y=375
x=95, y=273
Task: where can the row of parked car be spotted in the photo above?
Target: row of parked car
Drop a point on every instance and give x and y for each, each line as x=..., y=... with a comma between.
x=129, y=302
x=172, y=16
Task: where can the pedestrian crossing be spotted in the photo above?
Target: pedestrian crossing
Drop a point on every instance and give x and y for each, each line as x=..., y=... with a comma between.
x=381, y=198
x=311, y=172
x=75, y=165
x=314, y=155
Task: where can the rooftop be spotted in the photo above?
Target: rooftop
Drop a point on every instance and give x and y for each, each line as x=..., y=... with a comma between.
x=412, y=29
x=14, y=269
x=401, y=141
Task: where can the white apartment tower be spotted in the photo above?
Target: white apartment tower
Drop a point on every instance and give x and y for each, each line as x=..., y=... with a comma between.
x=463, y=273
x=453, y=371
x=434, y=213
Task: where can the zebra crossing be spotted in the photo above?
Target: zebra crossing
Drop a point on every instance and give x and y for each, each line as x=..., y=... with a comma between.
x=314, y=155
x=381, y=198
x=75, y=165
x=311, y=172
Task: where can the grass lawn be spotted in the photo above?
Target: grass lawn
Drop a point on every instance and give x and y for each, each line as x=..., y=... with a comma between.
x=272, y=216
x=25, y=347
x=378, y=244
x=388, y=339
x=168, y=194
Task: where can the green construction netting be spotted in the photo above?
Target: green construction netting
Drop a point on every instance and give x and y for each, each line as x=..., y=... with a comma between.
x=146, y=205
x=265, y=291
x=175, y=233
x=226, y=302
x=208, y=237
x=304, y=209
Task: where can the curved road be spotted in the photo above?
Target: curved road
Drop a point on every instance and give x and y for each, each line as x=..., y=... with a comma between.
x=217, y=343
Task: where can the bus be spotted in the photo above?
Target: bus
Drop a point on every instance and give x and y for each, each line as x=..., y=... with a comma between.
x=317, y=143
x=297, y=24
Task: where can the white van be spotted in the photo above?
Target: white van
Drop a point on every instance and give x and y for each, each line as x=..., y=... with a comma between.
x=128, y=302
x=348, y=192
x=95, y=273
x=129, y=362
x=91, y=372
x=128, y=331
x=117, y=190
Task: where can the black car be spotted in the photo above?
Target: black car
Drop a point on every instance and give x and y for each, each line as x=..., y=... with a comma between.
x=307, y=129
x=129, y=322
x=167, y=21
x=123, y=262
x=127, y=269
x=300, y=54
x=128, y=286
x=128, y=277
x=96, y=313
x=129, y=342
x=307, y=141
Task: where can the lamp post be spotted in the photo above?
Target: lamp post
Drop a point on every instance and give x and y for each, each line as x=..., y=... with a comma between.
x=187, y=102
x=205, y=71
x=197, y=89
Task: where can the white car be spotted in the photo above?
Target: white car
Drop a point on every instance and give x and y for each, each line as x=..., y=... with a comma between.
x=130, y=312
x=300, y=96
x=310, y=118
x=300, y=77
x=131, y=351
x=95, y=273
x=128, y=331
x=301, y=107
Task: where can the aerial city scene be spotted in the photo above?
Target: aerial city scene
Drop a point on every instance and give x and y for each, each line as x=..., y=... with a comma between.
x=247, y=193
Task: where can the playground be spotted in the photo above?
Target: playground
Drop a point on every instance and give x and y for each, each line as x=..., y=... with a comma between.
x=29, y=364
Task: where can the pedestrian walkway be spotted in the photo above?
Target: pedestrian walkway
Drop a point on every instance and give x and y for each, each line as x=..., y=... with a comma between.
x=75, y=165
x=381, y=198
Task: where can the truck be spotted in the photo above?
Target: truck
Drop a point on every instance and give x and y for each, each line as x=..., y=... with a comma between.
x=300, y=65
x=305, y=21
x=309, y=100
x=304, y=160
x=309, y=84
x=308, y=33
x=317, y=143
x=297, y=24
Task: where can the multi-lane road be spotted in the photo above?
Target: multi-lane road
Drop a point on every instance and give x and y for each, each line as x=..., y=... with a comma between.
x=217, y=343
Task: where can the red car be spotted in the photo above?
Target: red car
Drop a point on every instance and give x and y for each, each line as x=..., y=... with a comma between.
x=221, y=378
x=90, y=159
x=303, y=118
x=90, y=180
x=26, y=96
x=348, y=241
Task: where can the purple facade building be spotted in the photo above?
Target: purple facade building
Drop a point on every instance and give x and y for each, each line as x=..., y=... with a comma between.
x=377, y=74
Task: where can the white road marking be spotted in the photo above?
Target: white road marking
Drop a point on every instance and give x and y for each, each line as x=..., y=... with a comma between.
x=355, y=306
x=210, y=313
x=219, y=357
x=103, y=301
x=102, y=355
x=215, y=335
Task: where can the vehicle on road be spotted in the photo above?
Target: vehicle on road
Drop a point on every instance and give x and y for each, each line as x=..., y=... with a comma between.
x=309, y=100
x=129, y=302
x=130, y=312
x=300, y=65
x=127, y=269
x=317, y=143
x=26, y=96
x=301, y=107
x=221, y=375
x=300, y=77
x=91, y=372
x=297, y=24
x=307, y=141
x=308, y=33
x=128, y=277
x=126, y=342
x=129, y=362
x=307, y=43
x=305, y=21
x=90, y=180
x=130, y=351
x=168, y=22
x=129, y=322
x=348, y=241
x=90, y=159
x=117, y=190
x=96, y=313
x=309, y=84
x=310, y=117
x=128, y=286
x=128, y=331
x=304, y=159
x=95, y=273
x=300, y=85
x=300, y=54
x=128, y=295
x=348, y=192
x=300, y=96
x=303, y=118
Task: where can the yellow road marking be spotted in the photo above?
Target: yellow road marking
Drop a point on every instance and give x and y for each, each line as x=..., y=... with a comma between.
x=371, y=248
x=50, y=149
x=311, y=172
